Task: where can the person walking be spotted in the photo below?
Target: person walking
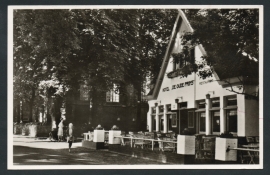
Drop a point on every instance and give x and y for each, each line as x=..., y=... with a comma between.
x=60, y=130
x=70, y=137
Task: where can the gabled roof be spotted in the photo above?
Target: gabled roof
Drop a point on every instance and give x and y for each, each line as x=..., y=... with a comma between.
x=181, y=18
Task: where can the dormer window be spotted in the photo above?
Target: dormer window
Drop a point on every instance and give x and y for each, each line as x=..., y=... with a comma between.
x=182, y=59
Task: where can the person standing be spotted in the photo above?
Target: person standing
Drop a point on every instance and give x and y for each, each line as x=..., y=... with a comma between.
x=70, y=137
x=60, y=130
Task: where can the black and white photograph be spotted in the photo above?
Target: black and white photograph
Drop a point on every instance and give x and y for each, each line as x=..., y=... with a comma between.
x=135, y=87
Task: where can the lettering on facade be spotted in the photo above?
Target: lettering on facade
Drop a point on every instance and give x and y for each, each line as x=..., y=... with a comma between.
x=177, y=86
x=205, y=82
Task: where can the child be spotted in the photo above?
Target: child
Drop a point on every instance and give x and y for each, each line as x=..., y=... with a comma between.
x=70, y=137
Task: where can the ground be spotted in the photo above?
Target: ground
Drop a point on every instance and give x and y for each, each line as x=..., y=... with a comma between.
x=31, y=151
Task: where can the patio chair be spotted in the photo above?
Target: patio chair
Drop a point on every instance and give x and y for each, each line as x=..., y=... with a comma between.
x=250, y=140
x=257, y=139
x=166, y=146
x=208, y=150
x=138, y=142
x=148, y=143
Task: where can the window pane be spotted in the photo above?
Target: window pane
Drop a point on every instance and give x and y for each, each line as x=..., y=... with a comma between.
x=232, y=121
x=216, y=121
x=154, y=122
x=201, y=104
x=161, y=109
x=174, y=120
x=190, y=119
x=153, y=110
x=232, y=101
x=202, y=122
x=112, y=95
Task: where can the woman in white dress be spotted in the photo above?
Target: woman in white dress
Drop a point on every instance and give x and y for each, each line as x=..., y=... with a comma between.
x=60, y=131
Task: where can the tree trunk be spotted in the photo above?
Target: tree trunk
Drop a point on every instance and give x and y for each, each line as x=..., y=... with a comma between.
x=31, y=105
x=53, y=113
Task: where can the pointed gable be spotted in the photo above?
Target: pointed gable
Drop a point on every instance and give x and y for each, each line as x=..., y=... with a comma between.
x=173, y=47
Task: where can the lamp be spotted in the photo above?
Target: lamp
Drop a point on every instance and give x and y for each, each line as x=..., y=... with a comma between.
x=156, y=104
x=176, y=100
x=207, y=96
x=118, y=119
x=133, y=119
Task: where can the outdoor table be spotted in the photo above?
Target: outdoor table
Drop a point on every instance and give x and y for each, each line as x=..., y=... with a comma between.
x=86, y=136
x=152, y=140
x=251, y=152
x=122, y=139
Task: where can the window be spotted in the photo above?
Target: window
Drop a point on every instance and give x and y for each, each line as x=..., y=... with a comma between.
x=232, y=101
x=215, y=121
x=154, y=122
x=161, y=123
x=202, y=121
x=182, y=105
x=232, y=120
x=169, y=117
x=231, y=114
x=215, y=103
x=201, y=104
x=190, y=119
x=113, y=94
x=84, y=93
x=174, y=120
x=154, y=118
x=181, y=61
x=161, y=109
x=153, y=110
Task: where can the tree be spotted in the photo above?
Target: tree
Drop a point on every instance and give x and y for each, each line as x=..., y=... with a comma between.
x=43, y=39
x=230, y=38
x=57, y=50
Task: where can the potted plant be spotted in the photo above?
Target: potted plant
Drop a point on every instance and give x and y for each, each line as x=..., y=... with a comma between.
x=224, y=144
x=186, y=143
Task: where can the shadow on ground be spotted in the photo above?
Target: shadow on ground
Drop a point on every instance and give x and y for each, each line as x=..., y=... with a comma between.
x=23, y=155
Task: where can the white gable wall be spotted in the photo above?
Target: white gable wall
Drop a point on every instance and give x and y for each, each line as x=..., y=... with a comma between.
x=193, y=88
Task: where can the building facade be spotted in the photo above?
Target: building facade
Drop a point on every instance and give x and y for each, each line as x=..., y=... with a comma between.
x=204, y=106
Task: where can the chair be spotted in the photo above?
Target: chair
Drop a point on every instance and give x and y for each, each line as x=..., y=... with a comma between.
x=198, y=146
x=257, y=139
x=138, y=142
x=166, y=146
x=208, y=150
x=250, y=140
x=148, y=143
x=106, y=137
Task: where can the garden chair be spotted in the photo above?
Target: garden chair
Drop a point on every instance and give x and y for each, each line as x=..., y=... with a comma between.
x=138, y=142
x=166, y=146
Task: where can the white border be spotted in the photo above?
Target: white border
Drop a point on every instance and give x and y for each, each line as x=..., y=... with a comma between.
x=214, y=166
